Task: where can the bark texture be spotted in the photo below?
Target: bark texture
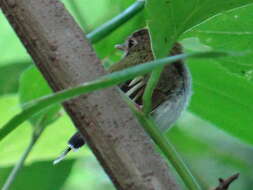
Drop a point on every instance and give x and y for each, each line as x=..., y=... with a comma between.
x=66, y=59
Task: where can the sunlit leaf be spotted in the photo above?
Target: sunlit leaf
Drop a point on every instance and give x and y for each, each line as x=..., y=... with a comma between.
x=168, y=19
x=230, y=31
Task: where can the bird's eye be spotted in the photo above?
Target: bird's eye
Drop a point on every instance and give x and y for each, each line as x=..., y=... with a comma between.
x=132, y=43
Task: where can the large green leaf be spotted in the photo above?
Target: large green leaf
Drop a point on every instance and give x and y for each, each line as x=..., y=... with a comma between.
x=222, y=98
x=223, y=87
x=168, y=19
x=230, y=31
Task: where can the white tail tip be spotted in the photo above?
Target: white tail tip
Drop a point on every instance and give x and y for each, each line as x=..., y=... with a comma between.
x=62, y=156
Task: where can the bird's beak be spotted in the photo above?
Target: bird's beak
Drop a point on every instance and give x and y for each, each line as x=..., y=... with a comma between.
x=121, y=47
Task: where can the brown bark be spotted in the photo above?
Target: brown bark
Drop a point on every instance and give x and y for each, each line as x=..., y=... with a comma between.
x=66, y=59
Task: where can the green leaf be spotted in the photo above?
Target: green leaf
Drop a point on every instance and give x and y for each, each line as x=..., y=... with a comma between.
x=223, y=99
x=223, y=87
x=10, y=84
x=30, y=89
x=40, y=175
x=230, y=31
x=168, y=19
x=32, y=86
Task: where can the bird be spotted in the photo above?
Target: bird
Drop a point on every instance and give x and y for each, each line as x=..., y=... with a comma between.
x=171, y=94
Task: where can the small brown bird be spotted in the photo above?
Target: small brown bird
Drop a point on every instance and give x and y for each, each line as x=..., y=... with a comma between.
x=171, y=94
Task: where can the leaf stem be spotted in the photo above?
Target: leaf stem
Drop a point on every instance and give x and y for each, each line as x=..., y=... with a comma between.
x=108, y=27
x=165, y=146
x=151, y=84
x=171, y=154
x=101, y=83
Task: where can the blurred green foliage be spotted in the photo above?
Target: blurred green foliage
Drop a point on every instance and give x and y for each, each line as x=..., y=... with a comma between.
x=32, y=86
x=9, y=85
x=221, y=105
x=210, y=153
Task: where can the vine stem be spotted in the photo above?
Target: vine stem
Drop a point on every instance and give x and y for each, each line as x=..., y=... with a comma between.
x=19, y=165
x=151, y=84
x=171, y=154
x=108, y=27
x=164, y=145
x=103, y=82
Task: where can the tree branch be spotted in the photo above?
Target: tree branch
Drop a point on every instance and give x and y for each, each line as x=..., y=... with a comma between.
x=66, y=59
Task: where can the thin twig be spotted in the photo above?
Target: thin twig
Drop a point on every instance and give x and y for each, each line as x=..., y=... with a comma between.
x=36, y=134
x=225, y=183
